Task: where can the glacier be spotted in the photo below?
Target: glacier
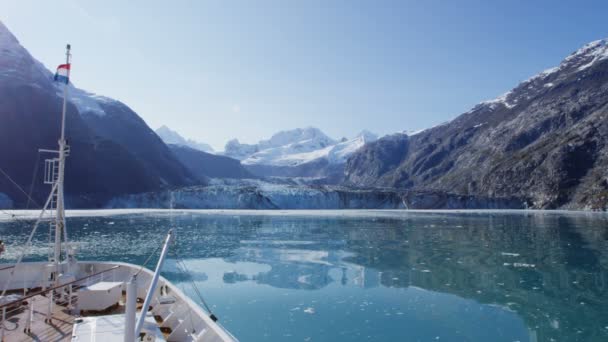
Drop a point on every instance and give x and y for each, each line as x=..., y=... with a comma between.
x=258, y=194
x=279, y=194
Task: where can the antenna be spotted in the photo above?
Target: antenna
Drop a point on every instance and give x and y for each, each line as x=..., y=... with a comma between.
x=64, y=151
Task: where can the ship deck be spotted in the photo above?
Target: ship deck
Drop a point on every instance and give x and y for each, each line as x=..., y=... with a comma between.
x=61, y=324
x=172, y=316
x=59, y=329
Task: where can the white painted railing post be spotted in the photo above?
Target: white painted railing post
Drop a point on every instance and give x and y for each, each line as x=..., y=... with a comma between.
x=131, y=310
x=2, y=324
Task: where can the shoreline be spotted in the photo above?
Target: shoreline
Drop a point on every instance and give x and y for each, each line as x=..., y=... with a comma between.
x=17, y=214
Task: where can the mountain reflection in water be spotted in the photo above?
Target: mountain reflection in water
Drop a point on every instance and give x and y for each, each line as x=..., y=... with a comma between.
x=475, y=276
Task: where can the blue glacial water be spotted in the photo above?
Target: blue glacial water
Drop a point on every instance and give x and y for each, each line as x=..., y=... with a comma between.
x=469, y=276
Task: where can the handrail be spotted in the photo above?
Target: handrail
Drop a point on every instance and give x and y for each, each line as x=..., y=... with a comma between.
x=56, y=287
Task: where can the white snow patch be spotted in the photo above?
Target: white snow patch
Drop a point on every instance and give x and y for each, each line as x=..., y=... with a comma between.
x=502, y=99
x=596, y=50
x=412, y=133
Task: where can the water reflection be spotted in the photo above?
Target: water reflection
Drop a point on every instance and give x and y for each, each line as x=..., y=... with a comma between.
x=462, y=277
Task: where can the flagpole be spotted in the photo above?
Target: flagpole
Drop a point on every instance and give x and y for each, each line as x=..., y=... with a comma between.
x=60, y=217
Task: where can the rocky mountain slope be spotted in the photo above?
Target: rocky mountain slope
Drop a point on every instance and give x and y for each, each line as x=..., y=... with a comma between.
x=205, y=165
x=113, y=151
x=170, y=136
x=544, y=142
x=302, y=152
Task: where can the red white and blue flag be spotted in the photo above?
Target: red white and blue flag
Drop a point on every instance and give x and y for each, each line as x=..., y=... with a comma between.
x=63, y=73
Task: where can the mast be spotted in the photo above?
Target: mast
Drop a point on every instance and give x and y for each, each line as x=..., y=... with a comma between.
x=152, y=288
x=63, y=149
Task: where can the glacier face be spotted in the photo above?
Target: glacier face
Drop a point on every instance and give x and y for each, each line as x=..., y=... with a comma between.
x=257, y=194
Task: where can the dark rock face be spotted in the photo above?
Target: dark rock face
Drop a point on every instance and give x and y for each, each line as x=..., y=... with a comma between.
x=123, y=126
x=442, y=200
x=376, y=160
x=30, y=119
x=202, y=164
x=544, y=143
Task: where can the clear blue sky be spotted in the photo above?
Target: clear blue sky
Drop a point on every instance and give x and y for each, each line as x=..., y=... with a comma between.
x=215, y=70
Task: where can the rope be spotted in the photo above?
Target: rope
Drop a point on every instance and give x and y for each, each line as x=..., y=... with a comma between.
x=28, y=244
x=186, y=273
x=34, y=175
x=149, y=258
x=19, y=187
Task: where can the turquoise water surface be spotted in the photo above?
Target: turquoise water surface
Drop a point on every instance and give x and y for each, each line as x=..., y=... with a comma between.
x=410, y=276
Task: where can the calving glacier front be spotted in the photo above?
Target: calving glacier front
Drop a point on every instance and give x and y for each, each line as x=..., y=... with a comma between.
x=256, y=194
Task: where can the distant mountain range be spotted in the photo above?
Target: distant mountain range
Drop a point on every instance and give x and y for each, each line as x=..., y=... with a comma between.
x=544, y=142
x=172, y=137
x=114, y=152
x=301, y=152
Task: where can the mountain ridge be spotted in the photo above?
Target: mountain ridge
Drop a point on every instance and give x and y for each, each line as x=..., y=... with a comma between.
x=113, y=150
x=170, y=136
x=545, y=141
x=300, y=152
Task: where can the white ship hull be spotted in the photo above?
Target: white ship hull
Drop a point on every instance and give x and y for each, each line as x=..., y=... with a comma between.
x=177, y=316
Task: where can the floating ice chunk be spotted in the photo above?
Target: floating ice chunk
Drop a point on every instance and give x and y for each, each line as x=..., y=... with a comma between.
x=309, y=310
x=519, y=264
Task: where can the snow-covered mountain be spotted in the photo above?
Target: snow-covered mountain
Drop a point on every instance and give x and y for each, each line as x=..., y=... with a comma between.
x=301, y=152
x=297, y=147
x=170, y=136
